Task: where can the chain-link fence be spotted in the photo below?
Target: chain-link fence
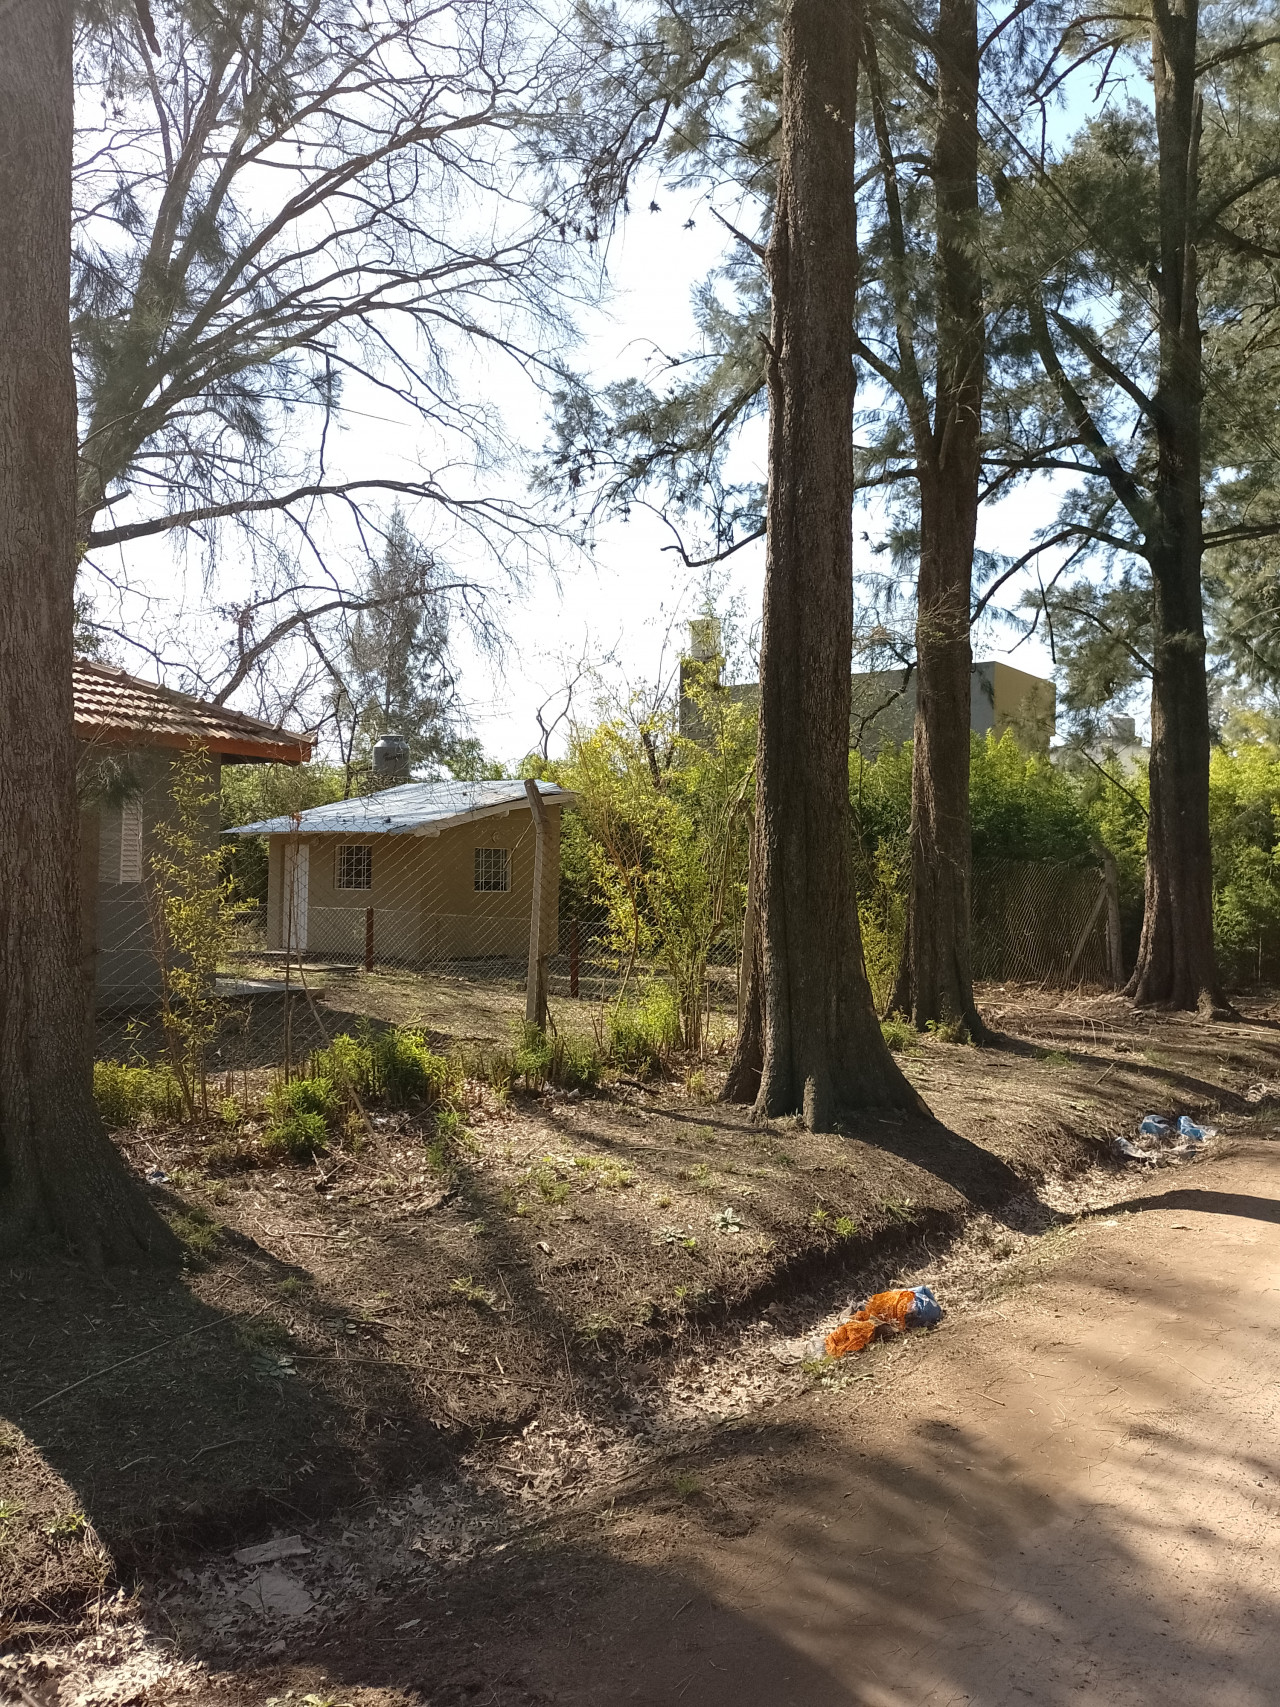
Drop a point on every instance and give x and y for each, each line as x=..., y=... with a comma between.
x=453, y=923
x=1038, y=922
x=458, y=925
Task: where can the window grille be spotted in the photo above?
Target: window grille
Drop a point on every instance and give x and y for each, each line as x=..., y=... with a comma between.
x=355, y=867
x=493, y=870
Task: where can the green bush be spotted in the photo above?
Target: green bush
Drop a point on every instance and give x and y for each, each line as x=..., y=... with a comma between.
x=898, y=1033
x=396, y=1066
x=641, y=1033
x=531, y=1057
x=135, y=1096
x=567, y=1062
x=302, y=1112
x=302, y=1134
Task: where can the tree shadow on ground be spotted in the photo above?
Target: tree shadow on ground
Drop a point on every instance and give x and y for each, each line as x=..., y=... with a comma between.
x=170, y=1421
x=1204, y=1202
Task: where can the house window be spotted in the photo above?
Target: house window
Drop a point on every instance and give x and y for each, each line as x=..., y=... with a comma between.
x=493, y=870
x=355, y=867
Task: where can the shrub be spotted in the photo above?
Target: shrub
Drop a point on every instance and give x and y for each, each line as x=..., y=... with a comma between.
x=898, y=1033
x=567, y=1062
x=135, y=1096
x=396, y=1066
x=531, y=1058
x=299, y=1135
x=643, y=1032
x=302, y=1113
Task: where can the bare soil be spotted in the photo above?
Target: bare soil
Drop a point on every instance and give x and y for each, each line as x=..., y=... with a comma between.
x=444, y=1381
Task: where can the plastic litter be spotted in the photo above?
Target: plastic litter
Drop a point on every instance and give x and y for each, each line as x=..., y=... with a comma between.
x=895, y=1311
x=1168, y=1140
x=157, y=1176
x=1128, y=1151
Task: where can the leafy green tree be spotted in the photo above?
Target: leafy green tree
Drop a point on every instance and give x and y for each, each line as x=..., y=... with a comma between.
x=1176, y=216
x=660, y=833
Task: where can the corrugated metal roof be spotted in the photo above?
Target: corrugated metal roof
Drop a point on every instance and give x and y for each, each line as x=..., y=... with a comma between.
x=111, y=706
x=415, y=808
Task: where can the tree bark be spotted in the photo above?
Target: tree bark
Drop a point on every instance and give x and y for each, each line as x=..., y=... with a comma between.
x=1176, y=963
x=935, y=980
x=810, y=1018
x=59, y=1171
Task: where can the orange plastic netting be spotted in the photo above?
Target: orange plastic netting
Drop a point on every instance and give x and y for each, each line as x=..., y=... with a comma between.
x=850, y=1336
x=890, y=1308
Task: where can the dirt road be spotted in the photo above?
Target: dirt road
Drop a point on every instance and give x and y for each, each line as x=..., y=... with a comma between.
x=1069, y=1495
x=1065, y=1495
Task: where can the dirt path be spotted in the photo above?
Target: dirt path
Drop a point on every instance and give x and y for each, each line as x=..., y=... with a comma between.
x=1063, y=1496
x=1066, y=1496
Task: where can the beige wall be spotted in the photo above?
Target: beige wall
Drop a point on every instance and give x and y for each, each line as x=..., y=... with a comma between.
x=1025, y=704
x=117, y=919
x=425, y=904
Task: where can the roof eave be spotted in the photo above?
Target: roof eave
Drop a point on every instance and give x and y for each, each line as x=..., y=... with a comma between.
x=247, y=747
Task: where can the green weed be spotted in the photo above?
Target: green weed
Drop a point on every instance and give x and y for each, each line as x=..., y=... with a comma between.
x=199, y=1232
x=642, y=1033
x=66, y=1526
x=605, y=1171
x=136, y=1096
x=465, y=1286
x=898, y=1033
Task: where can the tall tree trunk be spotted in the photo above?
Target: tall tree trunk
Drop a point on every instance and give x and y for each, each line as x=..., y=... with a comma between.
x=811, y=1041
x=1176, y=963
x=935, y=980
x=58, y=1170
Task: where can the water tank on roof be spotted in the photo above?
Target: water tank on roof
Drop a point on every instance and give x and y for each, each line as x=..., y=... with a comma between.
x=391, y=759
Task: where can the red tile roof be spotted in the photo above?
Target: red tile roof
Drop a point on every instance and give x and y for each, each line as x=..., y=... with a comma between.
x=115, y=707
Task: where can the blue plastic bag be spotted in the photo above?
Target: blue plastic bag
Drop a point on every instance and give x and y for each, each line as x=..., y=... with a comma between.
x=926, y=1312
x=1153, y=1126
x=1187, y=1128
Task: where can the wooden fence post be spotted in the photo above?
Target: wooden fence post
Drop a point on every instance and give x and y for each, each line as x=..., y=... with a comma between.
x=368, y=939
x=535, y=996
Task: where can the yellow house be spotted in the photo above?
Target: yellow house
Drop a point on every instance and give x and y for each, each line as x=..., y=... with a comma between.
x=425, y=872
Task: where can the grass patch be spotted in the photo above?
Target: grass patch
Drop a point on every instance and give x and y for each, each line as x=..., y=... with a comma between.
x=604, y=1171
x=199, y=1232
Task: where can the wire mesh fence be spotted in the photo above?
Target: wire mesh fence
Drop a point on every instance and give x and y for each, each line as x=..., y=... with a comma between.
x=447, y=926
x=1039, y=922
x=455, y=928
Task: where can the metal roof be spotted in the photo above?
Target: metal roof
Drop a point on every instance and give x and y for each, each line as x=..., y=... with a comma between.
x=413, y=809
x=115, y=708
